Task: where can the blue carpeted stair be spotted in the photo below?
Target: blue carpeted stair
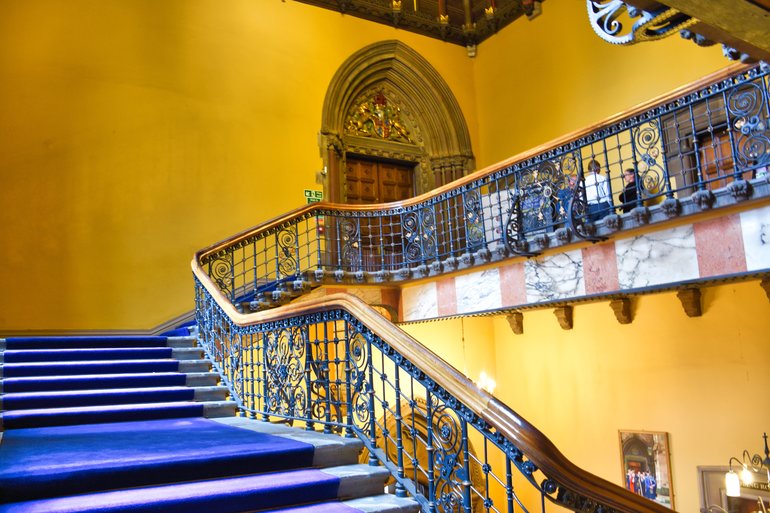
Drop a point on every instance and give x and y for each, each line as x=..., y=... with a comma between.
x=117, y=424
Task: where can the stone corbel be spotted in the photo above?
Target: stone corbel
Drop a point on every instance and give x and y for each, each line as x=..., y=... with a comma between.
x=691, y=303
x=564, y=315
x=516, y=320
x=765, y=284
x=622, y=309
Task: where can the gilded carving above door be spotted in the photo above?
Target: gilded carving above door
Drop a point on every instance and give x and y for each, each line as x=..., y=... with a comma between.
x=382, y=103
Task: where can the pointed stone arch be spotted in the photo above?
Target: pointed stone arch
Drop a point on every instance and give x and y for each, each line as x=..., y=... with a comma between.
x=438, y=144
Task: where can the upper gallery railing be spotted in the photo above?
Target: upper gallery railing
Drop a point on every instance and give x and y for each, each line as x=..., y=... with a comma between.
x=336, y=364
x=701, y=147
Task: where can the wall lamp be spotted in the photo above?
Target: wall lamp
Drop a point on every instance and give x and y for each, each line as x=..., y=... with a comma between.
x=751, y=468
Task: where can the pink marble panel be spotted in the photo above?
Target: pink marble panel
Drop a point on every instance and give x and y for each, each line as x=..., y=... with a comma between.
x=719, y=245
x=600, y=268
x=447, y=297
x=513, y=287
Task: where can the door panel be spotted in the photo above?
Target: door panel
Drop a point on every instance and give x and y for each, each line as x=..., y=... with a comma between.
x=370, y=182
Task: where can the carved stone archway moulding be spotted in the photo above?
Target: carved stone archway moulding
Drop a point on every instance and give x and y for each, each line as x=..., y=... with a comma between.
x=392, y=75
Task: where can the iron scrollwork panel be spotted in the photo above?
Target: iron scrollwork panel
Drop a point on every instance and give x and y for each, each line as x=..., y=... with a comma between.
x=350, y=236
x=285, y=386
x=648, y=146
x=747, y=106
x=288, y=252
x=474, y=219
x=419, y=235
x=449, y=469
x=221, y=271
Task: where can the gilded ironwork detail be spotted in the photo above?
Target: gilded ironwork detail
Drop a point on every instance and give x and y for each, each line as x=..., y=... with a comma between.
x=287, y=251
x=221, y=271
x=474, y=220
x=375, y=117
x=648, y=148
x=420, y=233
x=648, y=25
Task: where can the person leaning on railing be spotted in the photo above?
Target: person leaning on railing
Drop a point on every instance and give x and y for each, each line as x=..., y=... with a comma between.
x=597, y=192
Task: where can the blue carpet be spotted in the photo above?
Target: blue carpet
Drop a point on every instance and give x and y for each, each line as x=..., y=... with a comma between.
x=17, y=370
x=50, y=461
x=20, y=419
x=73, y=355
x=91, y=381
x=82, y=342
x=230, y=495
x=30, y=400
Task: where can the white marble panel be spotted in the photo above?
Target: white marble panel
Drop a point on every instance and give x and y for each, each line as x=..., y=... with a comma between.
x=755, y=225
x=555, y=277
x=478, y=292
x=667, y=256
x=420, y=302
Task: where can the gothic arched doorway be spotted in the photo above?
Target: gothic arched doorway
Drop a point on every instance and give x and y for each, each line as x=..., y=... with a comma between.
x=391, y=128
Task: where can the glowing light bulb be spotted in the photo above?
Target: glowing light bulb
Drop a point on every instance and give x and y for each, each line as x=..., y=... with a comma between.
x=746, y=476
x=732, y=484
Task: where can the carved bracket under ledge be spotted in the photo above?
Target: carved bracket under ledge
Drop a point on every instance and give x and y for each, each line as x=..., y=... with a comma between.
x=564, y=315
x=691, y=303
x=622, y=309
x=516, y=320
x=765, y=284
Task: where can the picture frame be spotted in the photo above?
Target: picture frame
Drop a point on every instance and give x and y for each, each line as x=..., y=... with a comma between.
x=645, y=460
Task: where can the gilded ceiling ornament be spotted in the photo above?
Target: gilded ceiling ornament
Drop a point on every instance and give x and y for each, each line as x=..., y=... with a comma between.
x=375, y=118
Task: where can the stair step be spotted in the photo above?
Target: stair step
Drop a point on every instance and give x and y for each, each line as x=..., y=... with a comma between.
x=179, y=342
x=330, y=449
x=103, y=381
x=17, y=370
x=67, y=399
x=111, y=413
x=95, y=397
x=384, y=504
x=81, y=342
x=187, y=353
x=225, y=495
x=75, y=355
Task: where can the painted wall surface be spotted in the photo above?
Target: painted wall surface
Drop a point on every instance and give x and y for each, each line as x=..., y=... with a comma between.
x=559, y=76
x=135, y=132
x=703, y=380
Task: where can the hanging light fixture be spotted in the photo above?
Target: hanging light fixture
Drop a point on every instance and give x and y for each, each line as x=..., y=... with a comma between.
x=750, y=468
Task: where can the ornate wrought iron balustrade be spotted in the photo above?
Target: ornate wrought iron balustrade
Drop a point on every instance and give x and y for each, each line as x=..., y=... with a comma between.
x=694, y=150
x=336, y=365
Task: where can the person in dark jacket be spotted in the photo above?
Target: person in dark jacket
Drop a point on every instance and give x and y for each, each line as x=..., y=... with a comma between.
x=629, y=195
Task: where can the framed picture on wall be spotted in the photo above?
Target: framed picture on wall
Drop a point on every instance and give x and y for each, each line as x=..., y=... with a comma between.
x=646, y=462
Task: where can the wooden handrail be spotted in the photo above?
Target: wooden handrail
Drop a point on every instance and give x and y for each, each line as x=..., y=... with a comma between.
x=638, y=109
x=534, y=444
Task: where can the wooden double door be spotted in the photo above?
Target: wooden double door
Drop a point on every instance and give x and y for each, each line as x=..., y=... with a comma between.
x=372, y=182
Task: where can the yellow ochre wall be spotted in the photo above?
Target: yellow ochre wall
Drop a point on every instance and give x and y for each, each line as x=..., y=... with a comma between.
x=538, y=80
x=135, y=132
x=703, y=380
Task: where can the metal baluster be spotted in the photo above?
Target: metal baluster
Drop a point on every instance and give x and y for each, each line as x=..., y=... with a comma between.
x=466, y=484
x=509, y=485
x=664, y=159
x=400, y=490
x=265, y=391
x=430, y=450
x=696, y=150
x=370, y=389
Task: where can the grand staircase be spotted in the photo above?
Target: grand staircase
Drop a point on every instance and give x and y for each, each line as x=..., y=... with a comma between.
x=115, y=424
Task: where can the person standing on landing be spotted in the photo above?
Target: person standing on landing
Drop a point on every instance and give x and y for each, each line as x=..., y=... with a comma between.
x=597, y=192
